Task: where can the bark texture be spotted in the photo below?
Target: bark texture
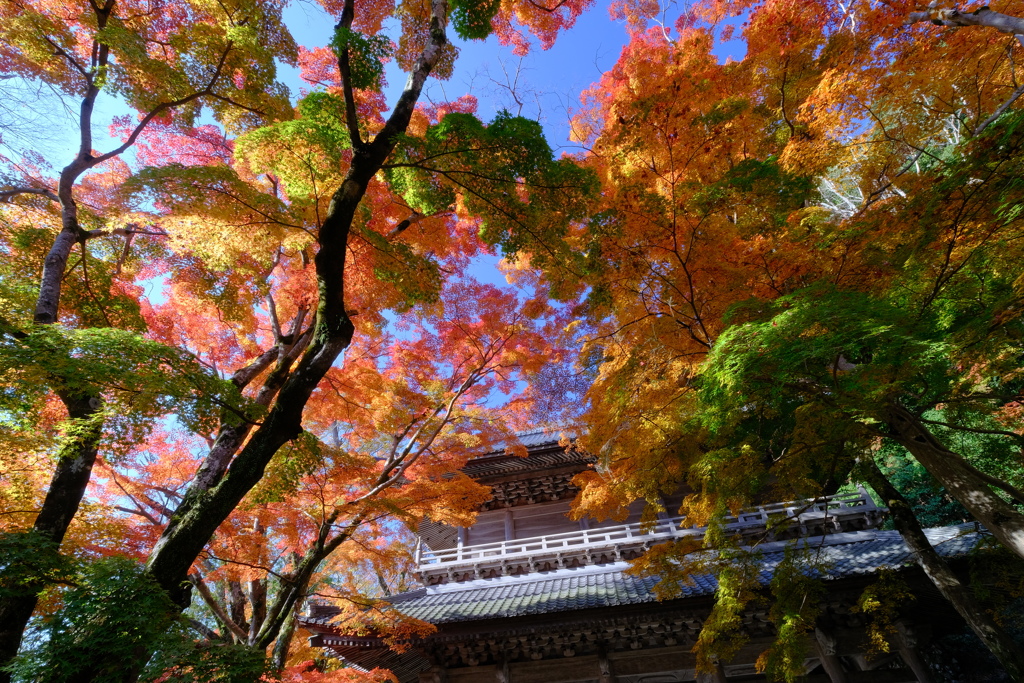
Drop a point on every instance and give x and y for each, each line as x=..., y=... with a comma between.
x=979, y=17
x=936, y=568
x=77, y=457
x=962, y=480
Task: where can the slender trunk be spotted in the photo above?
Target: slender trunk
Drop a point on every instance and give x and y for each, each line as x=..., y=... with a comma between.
x=67, y=487
x=284, y=642
x=959, y=478
x=294, y=589
x=202, y=511
x=258, y=600
x=77, y=457
x=56, y=262
x=236, y=604
x=936, y=568
x=14, y=615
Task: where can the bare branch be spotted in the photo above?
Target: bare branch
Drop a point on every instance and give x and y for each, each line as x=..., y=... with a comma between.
x=125, y=232
x=979, y=17
x=243, y=376
x=7, y=195
x=999, y=111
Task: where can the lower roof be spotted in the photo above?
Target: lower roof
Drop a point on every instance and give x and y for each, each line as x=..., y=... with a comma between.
x=837, y=556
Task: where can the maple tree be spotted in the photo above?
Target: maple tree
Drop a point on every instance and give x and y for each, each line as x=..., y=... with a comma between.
x=282, y=239
x=80, y=50
x=796, y=256
x=803, y=254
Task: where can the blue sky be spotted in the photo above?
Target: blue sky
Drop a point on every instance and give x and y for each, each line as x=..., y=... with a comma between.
x=549, y=83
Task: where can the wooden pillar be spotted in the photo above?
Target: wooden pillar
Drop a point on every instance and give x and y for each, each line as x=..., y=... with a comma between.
x=502, y=673
x=510, y=531
x=825, y=646
x=604, y=667
x=906, y=640
x=461, y=541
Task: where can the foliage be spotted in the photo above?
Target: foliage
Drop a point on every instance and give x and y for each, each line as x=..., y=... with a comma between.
x=154, y=379
x=366, y=55
x=797, y=592
x=140, y=620
x=253, y=330
x=502, y=175
x=31, y=563
x=795, y=247
x=472, y=20
x=180, y=659
x=881, y=602
x=932, y=504
x=760, y=259
x=721, y=635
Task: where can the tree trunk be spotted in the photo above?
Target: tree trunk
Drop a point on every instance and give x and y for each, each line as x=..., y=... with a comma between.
x=77, y=457
x=293, y=590
x=959, y=478
x=284, y=641
x=991, y=634
x=67, y=487
x=202, y=511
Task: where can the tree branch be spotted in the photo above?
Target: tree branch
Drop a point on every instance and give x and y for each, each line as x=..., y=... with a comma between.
x=204, y=630
x=999, y=111
x=397, y=123
x=345, y=68
x=197, y=581
x=165, y=106
x=7, y=195
x=997, y=432
x=979, y=17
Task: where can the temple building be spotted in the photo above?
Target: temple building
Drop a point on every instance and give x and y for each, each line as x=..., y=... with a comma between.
x=528, y=595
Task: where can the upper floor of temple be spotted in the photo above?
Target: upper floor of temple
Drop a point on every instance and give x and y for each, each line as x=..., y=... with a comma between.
x=525, y=526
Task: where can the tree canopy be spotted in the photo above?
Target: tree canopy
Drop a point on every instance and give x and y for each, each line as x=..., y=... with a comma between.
x=243, y=350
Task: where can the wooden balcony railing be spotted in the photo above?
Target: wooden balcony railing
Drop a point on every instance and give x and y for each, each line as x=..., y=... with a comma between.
x=832, y=514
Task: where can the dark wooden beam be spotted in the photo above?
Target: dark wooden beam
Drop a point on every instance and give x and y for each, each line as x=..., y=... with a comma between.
x=825, y=645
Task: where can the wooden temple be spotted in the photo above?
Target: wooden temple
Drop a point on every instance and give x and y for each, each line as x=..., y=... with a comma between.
x=527, y=595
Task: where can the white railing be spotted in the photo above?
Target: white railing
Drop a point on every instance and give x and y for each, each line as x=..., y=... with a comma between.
x=837, y=508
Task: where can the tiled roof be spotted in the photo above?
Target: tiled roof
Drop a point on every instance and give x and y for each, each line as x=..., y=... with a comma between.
x=544, y=453
x=844, y=555
x=543, y=436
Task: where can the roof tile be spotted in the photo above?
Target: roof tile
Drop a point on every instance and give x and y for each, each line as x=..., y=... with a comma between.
x=842, y=555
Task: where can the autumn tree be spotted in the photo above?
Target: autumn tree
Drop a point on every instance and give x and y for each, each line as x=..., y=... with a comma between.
x=803, y=253
x=162, y=63
x=279, y=244
x=394, y=438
